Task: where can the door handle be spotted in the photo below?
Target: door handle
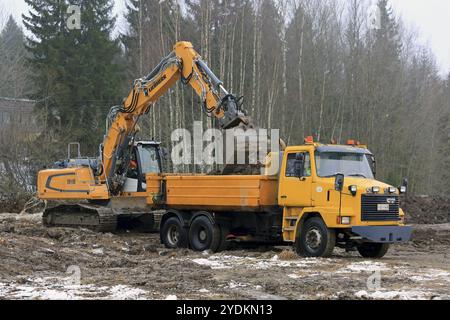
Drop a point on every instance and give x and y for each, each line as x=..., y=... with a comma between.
x=283, y=197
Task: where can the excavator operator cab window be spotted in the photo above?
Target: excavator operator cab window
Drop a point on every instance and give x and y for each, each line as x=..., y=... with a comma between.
x=149, y=159
x=145, y=159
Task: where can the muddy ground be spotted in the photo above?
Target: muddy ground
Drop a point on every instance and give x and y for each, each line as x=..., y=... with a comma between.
x=40, y=263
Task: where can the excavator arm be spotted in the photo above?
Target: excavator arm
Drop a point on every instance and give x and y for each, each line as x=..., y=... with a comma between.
x=184, y=64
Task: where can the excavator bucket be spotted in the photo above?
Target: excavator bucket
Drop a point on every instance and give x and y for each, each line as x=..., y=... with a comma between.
x=233, y=116
x=233, y=123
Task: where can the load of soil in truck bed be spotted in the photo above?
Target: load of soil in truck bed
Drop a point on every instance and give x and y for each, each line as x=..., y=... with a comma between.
x=241, y=144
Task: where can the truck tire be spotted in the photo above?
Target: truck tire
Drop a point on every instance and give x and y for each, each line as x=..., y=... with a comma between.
x=173, y=234
x=204, y=235
x=373, y=250
x=223, y=243
x=315, y=239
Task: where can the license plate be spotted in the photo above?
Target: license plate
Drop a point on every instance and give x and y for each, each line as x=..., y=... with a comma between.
x=383, y=207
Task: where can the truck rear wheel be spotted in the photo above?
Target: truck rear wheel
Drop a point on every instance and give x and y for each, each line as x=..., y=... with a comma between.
x=373, y=250
x=315, y=239
x=223, y=243
x=173, y=234
x=204, y=235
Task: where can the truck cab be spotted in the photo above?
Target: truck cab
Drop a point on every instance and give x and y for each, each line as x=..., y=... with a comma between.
x=330, y=197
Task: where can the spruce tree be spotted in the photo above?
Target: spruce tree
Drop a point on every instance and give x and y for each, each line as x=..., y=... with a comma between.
x=388, y=35
x=77, y=71
x=12, y=37
x=13, y=69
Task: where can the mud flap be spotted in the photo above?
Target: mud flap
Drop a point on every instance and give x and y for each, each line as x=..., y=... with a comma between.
x=384, y=234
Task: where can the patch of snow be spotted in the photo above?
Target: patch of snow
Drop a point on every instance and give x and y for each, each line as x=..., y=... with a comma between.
x=211, y=263
x=203, y=291
x=61, y=289
x=98, y=251
x=364, y=266
x=235, y=285
x=122, y=292
x=294, y=276
x=171, y=297
x=227, y=262
x=432, y=274
x=388, y=295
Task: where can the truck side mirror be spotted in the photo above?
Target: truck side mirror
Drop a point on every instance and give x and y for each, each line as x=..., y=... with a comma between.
x=404, y=187
x=299, y=165
x=339, y=182
x=405, y=182
x=374, y=166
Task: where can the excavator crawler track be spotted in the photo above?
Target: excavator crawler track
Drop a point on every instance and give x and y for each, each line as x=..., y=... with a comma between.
x=94, y=217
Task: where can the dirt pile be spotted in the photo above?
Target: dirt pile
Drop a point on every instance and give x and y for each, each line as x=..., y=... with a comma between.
x=427, y=209
x=431, y=235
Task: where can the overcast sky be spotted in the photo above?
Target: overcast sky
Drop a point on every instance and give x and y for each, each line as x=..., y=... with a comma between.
x=431, y=18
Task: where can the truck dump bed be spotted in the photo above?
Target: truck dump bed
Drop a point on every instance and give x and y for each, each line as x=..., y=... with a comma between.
x=217, y=193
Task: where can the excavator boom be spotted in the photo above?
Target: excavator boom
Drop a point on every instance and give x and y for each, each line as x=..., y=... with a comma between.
x=182, y=63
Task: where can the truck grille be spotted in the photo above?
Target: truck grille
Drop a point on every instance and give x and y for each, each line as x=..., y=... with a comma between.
x=375, y=208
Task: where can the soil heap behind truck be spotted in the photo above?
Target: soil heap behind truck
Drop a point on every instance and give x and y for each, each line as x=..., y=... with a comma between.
x=323, y=196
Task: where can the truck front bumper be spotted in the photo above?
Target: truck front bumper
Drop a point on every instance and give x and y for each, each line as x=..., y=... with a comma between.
x=384, y=234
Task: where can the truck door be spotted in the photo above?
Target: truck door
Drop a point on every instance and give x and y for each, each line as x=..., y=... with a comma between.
x=296, y=191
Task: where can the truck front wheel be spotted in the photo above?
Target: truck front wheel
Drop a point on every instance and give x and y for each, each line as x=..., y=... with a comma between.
x=204, y=235
x=315, y=239
x=373, y=250
x=173, y=234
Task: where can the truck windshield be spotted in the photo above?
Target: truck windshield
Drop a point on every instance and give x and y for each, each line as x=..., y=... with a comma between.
x=329, y=164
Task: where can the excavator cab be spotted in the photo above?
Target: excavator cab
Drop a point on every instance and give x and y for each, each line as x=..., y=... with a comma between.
x=147, y=157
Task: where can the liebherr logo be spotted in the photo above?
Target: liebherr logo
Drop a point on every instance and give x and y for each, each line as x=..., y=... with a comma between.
x=157, y=83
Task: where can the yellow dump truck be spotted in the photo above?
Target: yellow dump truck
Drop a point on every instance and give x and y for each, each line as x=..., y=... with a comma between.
x=322, y=196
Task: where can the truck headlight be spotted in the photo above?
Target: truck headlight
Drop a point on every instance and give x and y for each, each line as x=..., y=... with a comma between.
x=392, y=190
x=375, y=189
x=402, y=189
x=353, y=190
x=345, y=220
